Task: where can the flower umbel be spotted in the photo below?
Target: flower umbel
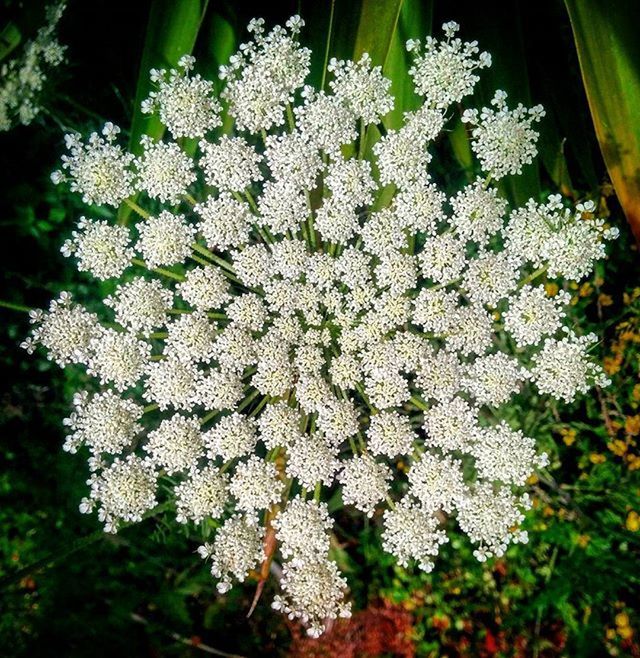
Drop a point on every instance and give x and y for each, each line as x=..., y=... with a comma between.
x=281, y=329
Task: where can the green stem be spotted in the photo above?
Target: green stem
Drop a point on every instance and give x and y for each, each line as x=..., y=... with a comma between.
x=15, y=307
x=416, y=401
x=208, y=417
x=252, y=201
x=158, y=270
x=363, y=139
x=532, y=276
x=290, y=119
x=211, y=256
x=134, y=206
x=328, y=46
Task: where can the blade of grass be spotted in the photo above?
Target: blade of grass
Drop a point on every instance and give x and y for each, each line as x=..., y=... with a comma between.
x=606, y=39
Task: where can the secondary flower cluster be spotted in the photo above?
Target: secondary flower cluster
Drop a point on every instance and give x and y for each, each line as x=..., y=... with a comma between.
x=319, y=318
x=23, y=77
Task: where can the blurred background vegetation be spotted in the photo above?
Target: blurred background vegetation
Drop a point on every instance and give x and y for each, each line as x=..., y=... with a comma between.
x=69, y=590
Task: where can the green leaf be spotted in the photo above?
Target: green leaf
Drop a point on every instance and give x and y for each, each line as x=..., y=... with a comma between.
x=10, y=38
x=414, y=22
x=606, y=38
x=378, y=21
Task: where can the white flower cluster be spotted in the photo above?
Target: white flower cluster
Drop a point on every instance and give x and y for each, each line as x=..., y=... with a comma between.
x=292, y=336
x=23, y=77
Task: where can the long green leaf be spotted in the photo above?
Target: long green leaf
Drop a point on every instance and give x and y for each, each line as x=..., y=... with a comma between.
x=378, y=21
x=414, y=22
x=606, y=38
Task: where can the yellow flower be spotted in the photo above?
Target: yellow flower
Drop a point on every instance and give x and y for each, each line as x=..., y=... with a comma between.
x=633, y=521
x=605, y=300
x=617, y=447
x=625, y=632
x=551, y=289
x=583, y=540
x=632, y=425
x=633, y=462
x=622, y=619
x=585, y=289
x=611, y=364
x=568, y=435
x=597, y=458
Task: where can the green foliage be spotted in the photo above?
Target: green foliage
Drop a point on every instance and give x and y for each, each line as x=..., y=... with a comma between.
x=606, y=38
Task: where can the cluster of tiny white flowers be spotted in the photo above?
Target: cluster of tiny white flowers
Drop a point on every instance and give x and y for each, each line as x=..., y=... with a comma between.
x=186, y=104
x=22, y=78
x=101, y=248
x=504, y=139
x=99, y=169
x=293, y=337
x=444, y=71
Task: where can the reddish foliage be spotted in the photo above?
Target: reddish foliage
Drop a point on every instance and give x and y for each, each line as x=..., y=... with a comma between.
x=378, y=630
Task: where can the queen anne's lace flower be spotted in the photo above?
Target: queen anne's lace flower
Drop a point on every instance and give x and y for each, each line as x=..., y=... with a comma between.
x=236, y=549
x=264, y=74
x=506, y=455
x=204, y=288
x=489, y=515
x=444, y=71
x=140, y=304
x=437, y=482
x=494, y=378
x=364, y=483
x=23, y=77
x=100, y=248
x=312, y=592
x=203, y=495
x=302, y=529
x=176, y=445
x=478, y=212
x=532, y=314
x=562, y=367
x=308, y=313
x=185, y=103
x=411, y=533
x=99, y=169
x=255, y=485
x=504, y=139
x=65, y=331
x=362, y=88
x=233, y=436
x=104, y=422
x=123, y=492
x=164, y=170
x=117, y=358
x=165, y=239
x=231, y=164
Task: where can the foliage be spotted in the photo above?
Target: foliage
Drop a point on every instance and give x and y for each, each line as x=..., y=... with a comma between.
x=609, y=53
